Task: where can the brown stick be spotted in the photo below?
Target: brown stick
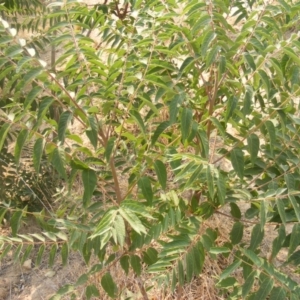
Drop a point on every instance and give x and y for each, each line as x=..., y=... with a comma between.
x=142, y=288
x=116, y=180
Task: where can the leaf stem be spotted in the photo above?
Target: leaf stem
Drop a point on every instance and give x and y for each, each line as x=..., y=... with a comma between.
x=116, y=180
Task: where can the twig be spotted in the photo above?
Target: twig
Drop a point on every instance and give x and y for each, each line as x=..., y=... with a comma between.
x=116, y=181
x=142, y=288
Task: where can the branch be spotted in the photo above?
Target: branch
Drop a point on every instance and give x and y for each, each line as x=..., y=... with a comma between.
x=116, y=181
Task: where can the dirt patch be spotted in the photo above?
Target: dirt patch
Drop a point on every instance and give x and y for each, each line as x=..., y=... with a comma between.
x=28, y=282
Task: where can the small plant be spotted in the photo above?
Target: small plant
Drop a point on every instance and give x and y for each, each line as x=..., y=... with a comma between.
x=175, y=115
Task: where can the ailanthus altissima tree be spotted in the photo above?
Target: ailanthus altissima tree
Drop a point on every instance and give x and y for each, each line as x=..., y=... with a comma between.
x=188, y=111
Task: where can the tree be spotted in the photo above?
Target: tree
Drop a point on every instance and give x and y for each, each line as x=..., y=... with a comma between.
x=165, y=93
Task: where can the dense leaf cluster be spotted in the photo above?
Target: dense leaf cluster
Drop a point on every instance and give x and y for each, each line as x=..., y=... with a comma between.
x=181, y=112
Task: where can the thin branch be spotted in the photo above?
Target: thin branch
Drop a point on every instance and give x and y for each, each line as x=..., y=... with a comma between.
x=212, y=100
x=142, y=288
x=116, y=180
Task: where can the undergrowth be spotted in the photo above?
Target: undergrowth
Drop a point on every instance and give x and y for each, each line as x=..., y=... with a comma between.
x=188, y=112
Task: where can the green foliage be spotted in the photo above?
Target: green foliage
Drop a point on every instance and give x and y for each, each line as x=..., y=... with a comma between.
x=187, y=112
